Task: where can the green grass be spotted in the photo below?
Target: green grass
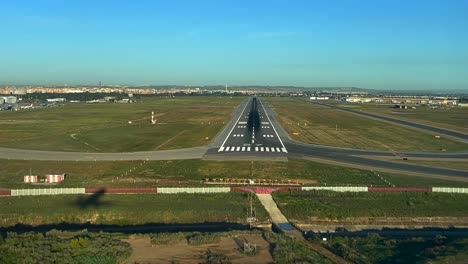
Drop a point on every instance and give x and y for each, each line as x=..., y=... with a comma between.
x=181, y=122
x=453, y=118
x=127, y=209
x=192, y=173
x=303, y=205
x=325, y=126
x=457, y=165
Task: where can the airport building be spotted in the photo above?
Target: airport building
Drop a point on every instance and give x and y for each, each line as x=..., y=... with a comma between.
x=56, y=100
x=404, y=100
x=8, y=100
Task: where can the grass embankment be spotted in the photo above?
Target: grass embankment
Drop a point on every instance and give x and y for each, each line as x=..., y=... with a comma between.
x=303, y=205
x=181, y=122
x=127, y=209
x=192, y=172
x=322, y=125
x=451, y=118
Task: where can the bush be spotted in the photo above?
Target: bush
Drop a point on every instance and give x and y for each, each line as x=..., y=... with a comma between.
x=52, y=248
x=203, y=238
x=167, y=238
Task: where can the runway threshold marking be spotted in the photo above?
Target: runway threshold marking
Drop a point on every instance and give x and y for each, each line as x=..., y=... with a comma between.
x=284, y=148
x=234, y=125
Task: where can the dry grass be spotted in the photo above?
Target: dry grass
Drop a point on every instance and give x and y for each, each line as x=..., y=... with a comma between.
x=321, y=125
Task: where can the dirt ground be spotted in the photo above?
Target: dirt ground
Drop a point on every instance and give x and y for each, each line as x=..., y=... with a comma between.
x=145, y=253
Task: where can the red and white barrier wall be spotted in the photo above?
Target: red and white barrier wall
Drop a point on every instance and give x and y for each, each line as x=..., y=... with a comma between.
x=259, y=190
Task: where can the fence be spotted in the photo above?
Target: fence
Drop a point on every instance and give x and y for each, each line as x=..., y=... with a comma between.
x=449, y=190
x=50, y=191
x=173, y=190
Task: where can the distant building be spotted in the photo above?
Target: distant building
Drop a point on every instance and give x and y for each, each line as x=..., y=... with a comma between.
x=55, y=178
x=56, y=100
x=319, y=98
x=30, y=178
x=110, y=99
x=8, y=100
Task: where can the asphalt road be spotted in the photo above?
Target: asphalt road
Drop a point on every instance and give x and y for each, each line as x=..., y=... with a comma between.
x=176, y=154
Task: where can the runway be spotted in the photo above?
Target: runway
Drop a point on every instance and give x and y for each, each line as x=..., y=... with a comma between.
x=253, y=131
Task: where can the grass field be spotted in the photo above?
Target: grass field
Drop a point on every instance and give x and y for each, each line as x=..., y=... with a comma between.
x=181, y=122
x=454, y=118
x=127, y=209
x=321, y=125
x=451, y=164
x=302, y=205
x=192, y=172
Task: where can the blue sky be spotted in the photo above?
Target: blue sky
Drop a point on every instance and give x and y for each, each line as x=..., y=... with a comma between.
x=363, y=43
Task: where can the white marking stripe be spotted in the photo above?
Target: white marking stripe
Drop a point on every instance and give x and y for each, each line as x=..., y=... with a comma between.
x=243, y=148
x=248, y=148
x=272, y=149
x=278, y=149
x=267, y=149
x=227, y=148
x=242, y=135
x=224, y=142
x=284, y=148
x=220, y=149
x=261, y=148
x=238, y=149
x=256, y=148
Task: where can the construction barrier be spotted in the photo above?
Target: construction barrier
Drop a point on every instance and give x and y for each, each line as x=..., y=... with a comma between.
x=195, y=190
x=449, y=190
x=336, y=189
x=49, y=191
x=121, y=190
